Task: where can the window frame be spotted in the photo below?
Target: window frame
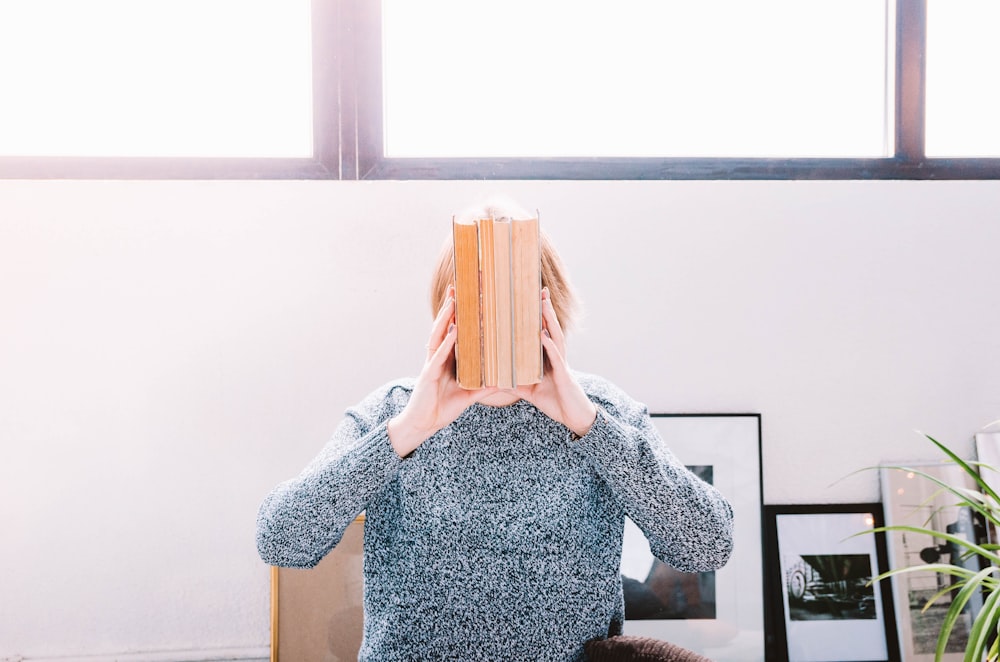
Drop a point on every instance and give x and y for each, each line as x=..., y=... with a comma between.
x=327, y=22
x=348, y=143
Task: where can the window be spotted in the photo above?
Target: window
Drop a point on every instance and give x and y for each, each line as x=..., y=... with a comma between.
x=963, y=65
x=450, y=89
x=106, y=86
x=128, y=78
x=635, y=78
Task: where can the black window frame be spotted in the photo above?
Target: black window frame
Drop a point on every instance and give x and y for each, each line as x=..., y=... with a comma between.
x=348, y=143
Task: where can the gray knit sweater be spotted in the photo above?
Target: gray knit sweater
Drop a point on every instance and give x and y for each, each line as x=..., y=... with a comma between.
x=500, y=537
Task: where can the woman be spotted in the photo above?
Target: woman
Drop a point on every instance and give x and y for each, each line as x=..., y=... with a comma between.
x=494, y=518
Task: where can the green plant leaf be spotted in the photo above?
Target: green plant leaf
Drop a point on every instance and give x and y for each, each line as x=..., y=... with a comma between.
x=963, y=574
x=963, y=501
x=969, y=588
x=962, y=542
x=942, y=568
x=952, y=588
x=984, y=635
x=982, y=627
x=965, y=467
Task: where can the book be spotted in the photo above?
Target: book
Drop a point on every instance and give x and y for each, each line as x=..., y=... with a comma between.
x=497, y=302
x=468, y=343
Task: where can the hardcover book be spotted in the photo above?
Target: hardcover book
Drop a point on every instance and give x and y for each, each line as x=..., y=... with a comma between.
x=497, y=302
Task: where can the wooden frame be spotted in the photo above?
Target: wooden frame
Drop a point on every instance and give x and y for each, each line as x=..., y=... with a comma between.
x=821, y=607
x=299, y=630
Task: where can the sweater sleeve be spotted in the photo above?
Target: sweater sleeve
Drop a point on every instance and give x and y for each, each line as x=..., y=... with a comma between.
x=302, y=519
x=689, y=524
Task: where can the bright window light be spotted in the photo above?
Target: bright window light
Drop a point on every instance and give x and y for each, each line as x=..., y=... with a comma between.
x=963, y=93
x=158, y=78
x=636, y=78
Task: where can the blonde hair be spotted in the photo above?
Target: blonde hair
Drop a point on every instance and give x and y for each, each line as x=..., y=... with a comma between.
x=554, y=274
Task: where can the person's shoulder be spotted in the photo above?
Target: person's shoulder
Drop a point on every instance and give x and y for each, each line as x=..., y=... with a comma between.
x=388, y=399
x=398, y=389
x=607, y=394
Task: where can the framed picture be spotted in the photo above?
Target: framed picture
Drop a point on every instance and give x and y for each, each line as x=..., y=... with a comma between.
x=988, y=454
x=823, y=607
x=913, y=500
x=718, y=614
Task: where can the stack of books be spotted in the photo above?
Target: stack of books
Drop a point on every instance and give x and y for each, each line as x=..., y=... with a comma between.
x=498, y=302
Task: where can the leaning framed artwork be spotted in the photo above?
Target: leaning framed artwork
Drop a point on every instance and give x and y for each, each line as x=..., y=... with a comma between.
x=823, y=605
x=316, y=614
x=718, y=614
x=988, y=455
x=911, y=499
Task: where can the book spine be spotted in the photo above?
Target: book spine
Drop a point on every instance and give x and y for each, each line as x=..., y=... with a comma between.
x=526, y=275
x=468, y=344
x=505, y=305
x=488, y=313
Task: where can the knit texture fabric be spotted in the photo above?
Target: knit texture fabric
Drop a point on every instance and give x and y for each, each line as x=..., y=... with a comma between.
x=499, y=538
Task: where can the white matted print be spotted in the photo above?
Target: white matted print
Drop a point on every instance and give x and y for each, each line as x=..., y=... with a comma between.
x=718, y=614
x=829, y=610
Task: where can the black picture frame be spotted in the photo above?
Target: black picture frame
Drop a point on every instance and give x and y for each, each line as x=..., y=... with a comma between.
x=820, y=603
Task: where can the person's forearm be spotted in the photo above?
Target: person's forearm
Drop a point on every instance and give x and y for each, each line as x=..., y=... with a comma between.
x=405, y=435
x=303, y=518
x=688, y=522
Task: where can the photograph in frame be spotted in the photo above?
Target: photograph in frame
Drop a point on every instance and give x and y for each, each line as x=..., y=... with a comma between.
x=718, y=614
x=824, y=606
x=910, y=499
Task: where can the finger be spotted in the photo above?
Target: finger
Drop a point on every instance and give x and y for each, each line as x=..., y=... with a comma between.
x=447, y=308
x=557, y=361
x=444, y=351
x=440, y=328
x=551, y=321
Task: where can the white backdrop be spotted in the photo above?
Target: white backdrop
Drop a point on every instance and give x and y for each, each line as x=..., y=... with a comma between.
x=171, y=350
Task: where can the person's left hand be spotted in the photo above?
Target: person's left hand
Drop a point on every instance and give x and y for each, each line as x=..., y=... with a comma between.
x=436, y=399
x=559, y=396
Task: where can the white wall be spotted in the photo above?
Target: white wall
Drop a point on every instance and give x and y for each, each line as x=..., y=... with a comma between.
x=170, y=350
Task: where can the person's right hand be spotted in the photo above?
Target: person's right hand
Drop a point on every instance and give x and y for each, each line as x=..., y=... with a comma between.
x=437, y=399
